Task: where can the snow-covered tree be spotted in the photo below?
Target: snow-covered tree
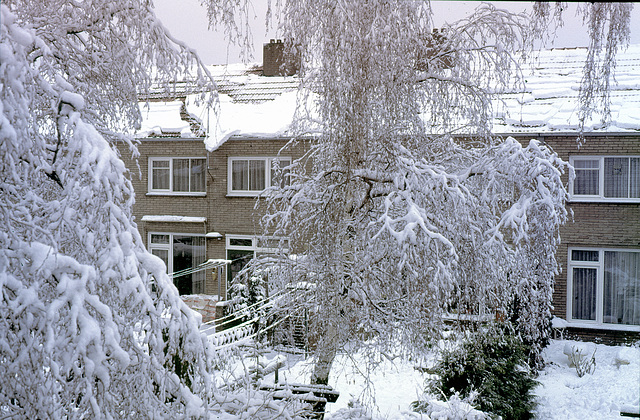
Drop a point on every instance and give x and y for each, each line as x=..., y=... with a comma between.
x=82, y=334
x=91, y=325
x=406, y=208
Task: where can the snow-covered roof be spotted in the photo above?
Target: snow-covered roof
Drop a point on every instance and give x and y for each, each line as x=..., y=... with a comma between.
x=252, y=105
x=163, y=118
x=245, y=84
x=549, y=103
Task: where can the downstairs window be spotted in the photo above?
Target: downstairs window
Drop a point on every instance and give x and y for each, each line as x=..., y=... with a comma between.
x=604, y=286
x=182, y=254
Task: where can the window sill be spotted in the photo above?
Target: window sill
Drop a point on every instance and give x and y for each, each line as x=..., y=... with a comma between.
x=176, y=194
x=601, y=200
x=251, y=194
x=606, y=327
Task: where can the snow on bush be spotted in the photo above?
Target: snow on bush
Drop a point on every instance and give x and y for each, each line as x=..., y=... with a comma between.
x=454, y=409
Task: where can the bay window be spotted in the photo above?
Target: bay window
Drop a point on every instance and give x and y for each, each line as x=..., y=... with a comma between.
x=182, y=254
x=606, y=178
x=249, y=176
x=604, y=286
x=181, y=176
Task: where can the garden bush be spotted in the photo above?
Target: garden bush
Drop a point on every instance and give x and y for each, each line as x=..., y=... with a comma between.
x=491, y=367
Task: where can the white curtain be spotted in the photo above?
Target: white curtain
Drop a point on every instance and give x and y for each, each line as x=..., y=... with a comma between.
x=160, y=175
x=181, y=175
x=197, y=175
x=616, y=177
x=622, y=287
x=584, y=293
x=256, y=175
x=240, y=175
x=634, y=178
x=587, y=177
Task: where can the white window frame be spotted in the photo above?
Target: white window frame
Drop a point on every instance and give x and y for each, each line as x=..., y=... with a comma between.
x=169, y=191
x=268, y=161
x=251, y=247
x=601, y=186
x=598, y=323
x=169, y=247
x=254, y=244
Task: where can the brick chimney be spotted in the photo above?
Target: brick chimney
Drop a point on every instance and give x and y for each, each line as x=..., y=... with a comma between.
x=275, y=62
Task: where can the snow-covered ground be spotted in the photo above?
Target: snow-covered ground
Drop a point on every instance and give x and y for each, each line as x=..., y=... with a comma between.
x=612, y=387
x=601, y=395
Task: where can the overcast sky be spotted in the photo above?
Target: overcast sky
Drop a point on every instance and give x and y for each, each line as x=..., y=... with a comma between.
x=187, y=21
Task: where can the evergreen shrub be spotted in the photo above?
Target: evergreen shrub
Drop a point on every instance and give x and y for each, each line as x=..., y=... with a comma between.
x=492, y=366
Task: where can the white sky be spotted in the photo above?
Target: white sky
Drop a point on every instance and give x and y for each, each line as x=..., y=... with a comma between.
x=187, y=21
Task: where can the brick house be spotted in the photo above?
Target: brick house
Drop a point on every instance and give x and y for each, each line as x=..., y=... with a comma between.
x=598, y=291
x=195, y=201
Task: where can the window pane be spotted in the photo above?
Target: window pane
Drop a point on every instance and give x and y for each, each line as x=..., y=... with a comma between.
x=160, y=175
x=582, y=255
x=634, y=178
x=181, y=175
x=621, y=288
x=587, y=177
x=188, y=252
x=256, y=175
x=159, y=239
x=586, y=164
x=584, y=293
x=270, y=243
x=238, y=260
x=240, y=175
x=198, y=167
x=163, y=254
x=279, y=175
x=240, y=242
x=616, y=177
x=198, y=278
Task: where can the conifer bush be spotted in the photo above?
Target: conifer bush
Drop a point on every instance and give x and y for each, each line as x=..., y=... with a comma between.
x=493, y=366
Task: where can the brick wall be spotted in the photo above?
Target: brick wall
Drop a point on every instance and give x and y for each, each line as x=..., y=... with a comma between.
x=203, y=304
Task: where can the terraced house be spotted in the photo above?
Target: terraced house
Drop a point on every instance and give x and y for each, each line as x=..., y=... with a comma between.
x=196, y=192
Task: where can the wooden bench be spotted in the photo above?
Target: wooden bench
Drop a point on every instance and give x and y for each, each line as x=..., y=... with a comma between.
x=316, y=395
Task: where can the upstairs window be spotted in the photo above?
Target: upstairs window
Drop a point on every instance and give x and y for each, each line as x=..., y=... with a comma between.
x=250, y=176
x=610, y=178
x=181, y=176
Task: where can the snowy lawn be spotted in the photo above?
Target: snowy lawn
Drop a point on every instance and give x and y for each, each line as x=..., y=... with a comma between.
x=393, y=385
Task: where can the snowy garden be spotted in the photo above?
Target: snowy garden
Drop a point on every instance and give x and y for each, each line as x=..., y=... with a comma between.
x=612, y=387
x=389, y=388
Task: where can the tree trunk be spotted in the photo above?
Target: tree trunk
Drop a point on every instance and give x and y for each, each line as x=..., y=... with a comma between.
x=325, y=354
